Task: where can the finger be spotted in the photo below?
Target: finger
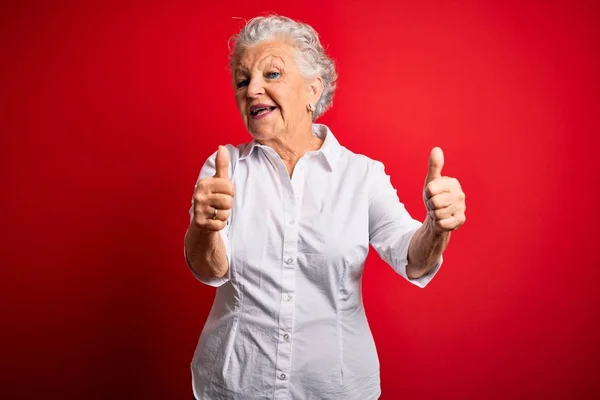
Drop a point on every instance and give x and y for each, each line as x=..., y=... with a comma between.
x=222, y=163
x=220, y=201
x=207, y=212
x=448, y=224
x=441, y=185
x=436, y=163
x=210, y=225
x=442, y=213
x=442, y=200
x=222, y=215
x=460, y=217
x=215, y=185
x=223, y=186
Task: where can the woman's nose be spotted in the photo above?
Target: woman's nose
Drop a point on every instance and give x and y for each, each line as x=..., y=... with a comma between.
x=255, y=88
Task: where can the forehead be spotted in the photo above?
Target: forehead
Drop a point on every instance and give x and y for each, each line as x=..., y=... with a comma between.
x=266, y=53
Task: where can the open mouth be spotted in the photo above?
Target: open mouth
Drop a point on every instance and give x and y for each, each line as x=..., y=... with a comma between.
x=260, y=111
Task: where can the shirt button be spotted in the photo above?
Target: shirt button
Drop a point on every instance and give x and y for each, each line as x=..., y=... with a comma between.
x=282, y=377
x=286, y=337
x=287, y=297
x=289, y=261
x=292, y=222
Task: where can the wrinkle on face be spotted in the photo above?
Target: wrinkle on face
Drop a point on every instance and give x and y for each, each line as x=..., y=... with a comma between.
x=288, y=128
x=288, y=92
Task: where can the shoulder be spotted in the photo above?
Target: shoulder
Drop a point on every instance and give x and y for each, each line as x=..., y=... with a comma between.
x=359, y=162
x=370, y=172
x=235, y=151
x=367, y=171
x=346, y=157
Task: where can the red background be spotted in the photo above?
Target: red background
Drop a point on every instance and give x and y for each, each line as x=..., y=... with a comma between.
x=108, y=112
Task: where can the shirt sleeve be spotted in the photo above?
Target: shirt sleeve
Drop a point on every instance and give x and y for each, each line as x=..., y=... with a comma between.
x=209, y=170
x=391, y=227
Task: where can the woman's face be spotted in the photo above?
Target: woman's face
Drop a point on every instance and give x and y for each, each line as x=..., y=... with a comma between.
x=271, y=94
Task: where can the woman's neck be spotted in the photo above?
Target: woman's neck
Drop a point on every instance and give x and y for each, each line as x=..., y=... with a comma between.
x=292, y=147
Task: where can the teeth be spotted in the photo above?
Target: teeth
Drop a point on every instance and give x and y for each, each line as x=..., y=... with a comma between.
x=259, y=110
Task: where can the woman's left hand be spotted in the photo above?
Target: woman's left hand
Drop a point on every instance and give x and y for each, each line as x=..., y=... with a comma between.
x=443, y=196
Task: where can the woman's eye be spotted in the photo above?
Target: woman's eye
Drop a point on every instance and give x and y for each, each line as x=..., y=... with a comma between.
x=242, y=83
x=273, y=75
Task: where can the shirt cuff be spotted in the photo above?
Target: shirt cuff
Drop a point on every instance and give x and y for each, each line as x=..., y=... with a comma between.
x=214, y=282
x=403, y=263
x=425, y=279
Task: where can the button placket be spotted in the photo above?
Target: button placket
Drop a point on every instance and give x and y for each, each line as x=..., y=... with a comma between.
x=288, y=286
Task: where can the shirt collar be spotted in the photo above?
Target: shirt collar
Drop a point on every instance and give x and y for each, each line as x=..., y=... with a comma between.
x=330, y=148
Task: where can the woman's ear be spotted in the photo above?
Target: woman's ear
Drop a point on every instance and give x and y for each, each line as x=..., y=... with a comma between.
x=315, y=89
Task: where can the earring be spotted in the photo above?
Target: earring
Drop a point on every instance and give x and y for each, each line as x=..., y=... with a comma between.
x=310, y=107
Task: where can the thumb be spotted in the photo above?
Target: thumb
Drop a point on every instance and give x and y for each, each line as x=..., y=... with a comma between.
x=222, y=163
x=436, y=162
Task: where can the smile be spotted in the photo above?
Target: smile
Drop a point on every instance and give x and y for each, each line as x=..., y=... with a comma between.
x=261, y=110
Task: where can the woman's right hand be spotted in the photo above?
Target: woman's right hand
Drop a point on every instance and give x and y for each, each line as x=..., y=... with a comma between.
x=214, y=193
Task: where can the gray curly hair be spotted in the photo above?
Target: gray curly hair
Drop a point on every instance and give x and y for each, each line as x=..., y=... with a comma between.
x=311, y=58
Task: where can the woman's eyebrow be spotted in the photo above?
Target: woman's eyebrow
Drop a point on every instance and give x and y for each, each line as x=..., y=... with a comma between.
x=273, y=61
x=241, y=68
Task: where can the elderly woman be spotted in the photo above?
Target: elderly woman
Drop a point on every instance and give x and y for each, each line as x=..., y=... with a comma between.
x=282, y=226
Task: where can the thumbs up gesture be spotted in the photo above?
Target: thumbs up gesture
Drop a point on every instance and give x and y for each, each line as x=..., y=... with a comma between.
x=213, y=197
x=443, y=196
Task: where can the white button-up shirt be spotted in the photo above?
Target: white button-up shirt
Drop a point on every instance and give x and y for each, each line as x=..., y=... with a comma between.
x=288, y=320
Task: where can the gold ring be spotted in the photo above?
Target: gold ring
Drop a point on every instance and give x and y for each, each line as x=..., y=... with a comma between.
x=214, y=216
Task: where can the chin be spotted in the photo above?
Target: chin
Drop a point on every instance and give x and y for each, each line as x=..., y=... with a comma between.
x=262, y=132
